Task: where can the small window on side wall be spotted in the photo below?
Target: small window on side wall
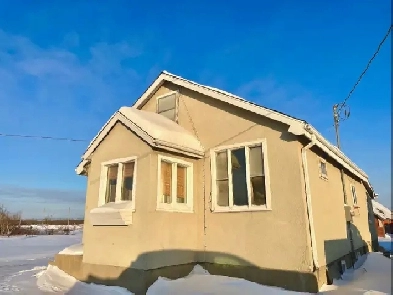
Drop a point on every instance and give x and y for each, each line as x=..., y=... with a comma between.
x=167, y=106
x=323, y=169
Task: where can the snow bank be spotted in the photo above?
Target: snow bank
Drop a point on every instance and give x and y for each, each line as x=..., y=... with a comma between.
x=43, y=229
x=372, y=275
x=76, y=249
x=199, y=281
x=54, y=280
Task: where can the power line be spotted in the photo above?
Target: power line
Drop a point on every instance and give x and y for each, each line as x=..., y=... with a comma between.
x=43, y=137
x=342, y=104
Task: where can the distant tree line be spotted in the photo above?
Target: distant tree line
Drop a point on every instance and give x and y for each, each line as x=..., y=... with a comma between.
x=13, y=224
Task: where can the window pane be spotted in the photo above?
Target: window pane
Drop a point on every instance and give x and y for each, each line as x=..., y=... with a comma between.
x=222, y=165
x=110, y=195
x=258, y=190
x=238, y=158
x=181, y=184
x=256, y=161
x=323, y=168
x=167, y=103
x=170, y=114
x=355, y=199
x=166, y=179
x=128, y=178
x=223, y=193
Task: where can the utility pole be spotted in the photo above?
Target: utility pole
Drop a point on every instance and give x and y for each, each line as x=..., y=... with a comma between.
x=336, y=124
x=336, y=118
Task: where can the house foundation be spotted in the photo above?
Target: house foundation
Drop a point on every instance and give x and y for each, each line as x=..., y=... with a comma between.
x=138, y=281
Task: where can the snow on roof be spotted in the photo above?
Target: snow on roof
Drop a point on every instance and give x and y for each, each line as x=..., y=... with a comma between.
x=153, y=128
x=381, y=211
x=161, y=128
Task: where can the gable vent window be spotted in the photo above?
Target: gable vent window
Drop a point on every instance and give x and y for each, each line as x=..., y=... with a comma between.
x=167, y=106
x=323, y=169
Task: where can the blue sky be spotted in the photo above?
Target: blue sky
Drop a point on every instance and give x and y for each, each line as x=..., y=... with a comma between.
x=64, y=69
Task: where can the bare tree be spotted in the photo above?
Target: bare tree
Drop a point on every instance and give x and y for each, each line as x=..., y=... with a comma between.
x=9, y=222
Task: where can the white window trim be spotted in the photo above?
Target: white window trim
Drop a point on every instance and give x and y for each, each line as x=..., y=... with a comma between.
x=352, y=194
x=176, y=102
x=118, y=212
x=233, y=208
x=104, y=178
x=187, y=207
x=322, y=175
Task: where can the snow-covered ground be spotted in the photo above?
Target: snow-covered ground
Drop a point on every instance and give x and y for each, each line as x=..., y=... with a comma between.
x=22, y=257
x=24, y=260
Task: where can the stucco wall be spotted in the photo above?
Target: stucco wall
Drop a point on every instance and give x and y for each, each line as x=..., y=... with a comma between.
x=328, y=210
x=276, y=239
x=151, y=231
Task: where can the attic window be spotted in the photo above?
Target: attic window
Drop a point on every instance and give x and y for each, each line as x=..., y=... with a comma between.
x=354, y=196
x=167, y=106
x=323, y=169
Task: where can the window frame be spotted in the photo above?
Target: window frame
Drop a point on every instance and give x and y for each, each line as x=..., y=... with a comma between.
x=176, y=103
x=354, y=195
x=249, y=207
x=322, y=175
x=188, y=206
x=119, y=181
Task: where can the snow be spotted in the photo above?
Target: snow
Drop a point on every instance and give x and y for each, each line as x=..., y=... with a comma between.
x=76, y=249
x=54, y=280
x=24, y=260
x=23, y=257
x=161, y=128
x=199, y=281
x=380, y=210
x=45, y=228
x=371, y=277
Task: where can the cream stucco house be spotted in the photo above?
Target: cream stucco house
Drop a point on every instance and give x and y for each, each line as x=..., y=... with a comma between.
x=192, y=174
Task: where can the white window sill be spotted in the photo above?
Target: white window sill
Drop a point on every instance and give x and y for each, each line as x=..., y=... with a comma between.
x=112, y=214
x=240, y=209
x=178, y=209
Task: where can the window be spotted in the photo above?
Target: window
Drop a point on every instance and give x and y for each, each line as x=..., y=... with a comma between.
x=174, y=185
x=240, y=177
x=117, y=181
x=354, y=197
x=167, y=105
x=323, y=169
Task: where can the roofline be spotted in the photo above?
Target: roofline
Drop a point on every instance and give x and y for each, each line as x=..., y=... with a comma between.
x=153, y=142
x=296, y=126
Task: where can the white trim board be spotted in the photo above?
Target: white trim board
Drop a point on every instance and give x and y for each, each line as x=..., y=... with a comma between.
x=296, y=126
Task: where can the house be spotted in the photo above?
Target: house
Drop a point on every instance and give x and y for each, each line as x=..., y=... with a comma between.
x=191, y=175
x=382, y=218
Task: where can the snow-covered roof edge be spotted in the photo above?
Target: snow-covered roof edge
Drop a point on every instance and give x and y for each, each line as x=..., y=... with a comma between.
x=120, y=116
x=296, y=126
x=381, y=211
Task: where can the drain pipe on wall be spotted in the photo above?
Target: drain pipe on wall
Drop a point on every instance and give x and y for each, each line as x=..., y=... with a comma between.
x=309, y=203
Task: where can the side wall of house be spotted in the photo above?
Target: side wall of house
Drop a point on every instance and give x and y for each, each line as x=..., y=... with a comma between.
x=329, y=213
x=266, y=238
x=138, y=245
